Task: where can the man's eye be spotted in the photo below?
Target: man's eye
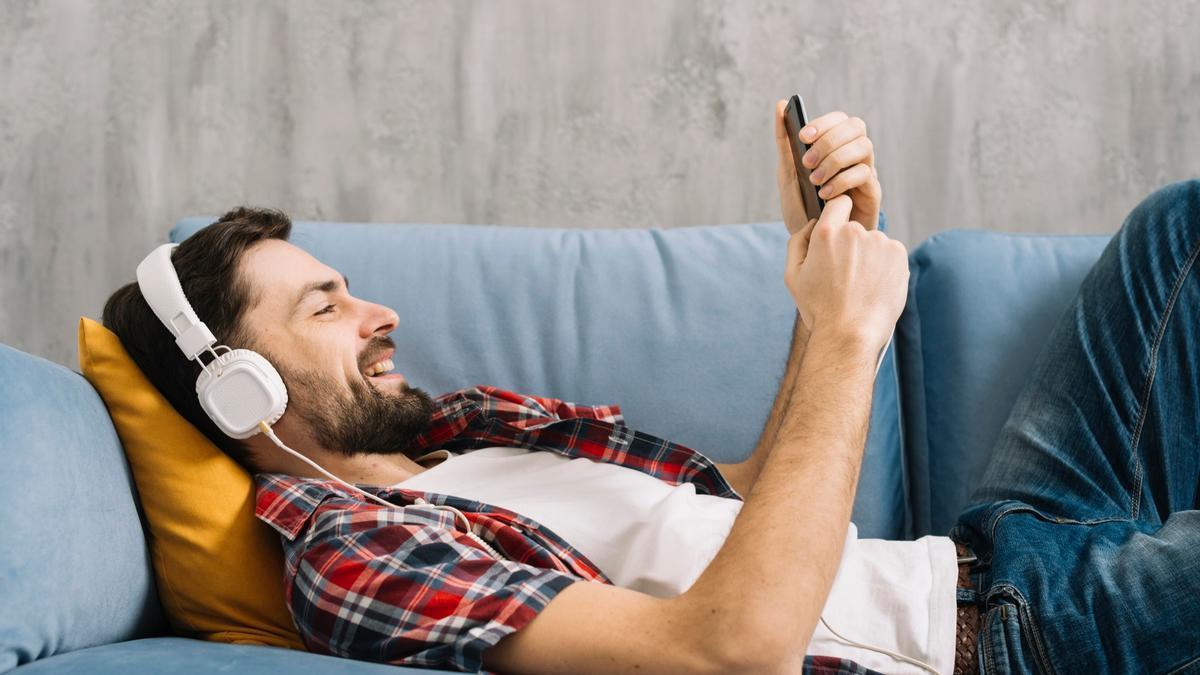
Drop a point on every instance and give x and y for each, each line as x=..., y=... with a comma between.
x=326, y=310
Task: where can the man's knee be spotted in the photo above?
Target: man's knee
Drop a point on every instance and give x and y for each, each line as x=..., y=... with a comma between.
x=1163, y=227
x=1176, y=205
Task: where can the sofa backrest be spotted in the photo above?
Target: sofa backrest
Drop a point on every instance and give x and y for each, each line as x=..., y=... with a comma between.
x=688, y=329
x=74, y=567
x=981, y=306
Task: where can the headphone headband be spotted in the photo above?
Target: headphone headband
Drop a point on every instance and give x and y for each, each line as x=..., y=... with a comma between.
x=160, y=286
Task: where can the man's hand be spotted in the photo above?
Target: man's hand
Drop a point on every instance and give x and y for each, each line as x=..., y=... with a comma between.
x=843, y=162
x=847, y=281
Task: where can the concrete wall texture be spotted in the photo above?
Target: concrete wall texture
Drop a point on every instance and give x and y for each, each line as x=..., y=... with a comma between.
x=117, y=118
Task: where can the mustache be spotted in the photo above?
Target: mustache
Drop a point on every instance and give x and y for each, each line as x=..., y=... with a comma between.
x=376, y=348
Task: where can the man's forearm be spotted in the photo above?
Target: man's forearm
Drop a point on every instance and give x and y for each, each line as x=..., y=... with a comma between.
x=786, y=385
x=773, y=574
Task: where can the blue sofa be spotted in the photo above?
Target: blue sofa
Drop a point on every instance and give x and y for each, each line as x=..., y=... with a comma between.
x=688, y=329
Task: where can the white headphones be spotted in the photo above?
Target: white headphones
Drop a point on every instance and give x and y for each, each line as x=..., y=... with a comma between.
x=239, y=388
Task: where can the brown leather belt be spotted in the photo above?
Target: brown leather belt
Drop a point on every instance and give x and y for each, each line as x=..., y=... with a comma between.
x=966, y=637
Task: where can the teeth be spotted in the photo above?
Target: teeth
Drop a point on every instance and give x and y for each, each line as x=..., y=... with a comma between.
x=378, y=368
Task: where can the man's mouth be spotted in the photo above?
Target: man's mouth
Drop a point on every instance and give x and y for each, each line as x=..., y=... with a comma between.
x=381, y=369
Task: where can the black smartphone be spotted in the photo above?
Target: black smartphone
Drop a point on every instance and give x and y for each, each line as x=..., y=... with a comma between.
x=795, y=119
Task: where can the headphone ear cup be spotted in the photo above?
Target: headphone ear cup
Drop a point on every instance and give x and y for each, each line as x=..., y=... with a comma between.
x=239, y=389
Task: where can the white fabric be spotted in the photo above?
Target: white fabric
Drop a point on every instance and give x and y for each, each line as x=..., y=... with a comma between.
x=651, y=536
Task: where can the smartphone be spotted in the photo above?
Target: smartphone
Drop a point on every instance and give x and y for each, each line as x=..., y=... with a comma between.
x=795, y=119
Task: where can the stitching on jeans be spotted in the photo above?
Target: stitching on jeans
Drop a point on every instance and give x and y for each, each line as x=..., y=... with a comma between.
x=1189, y=664
x=1033, y=631
x=1019, y=507
x=995, y=518
x=985, y=645
x=1027, y=623
x=1136, y=499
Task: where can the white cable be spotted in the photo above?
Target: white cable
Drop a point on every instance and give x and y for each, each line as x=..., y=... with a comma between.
x=266, y=429
x=470, y=530
x=880, y=650
x=883, y=352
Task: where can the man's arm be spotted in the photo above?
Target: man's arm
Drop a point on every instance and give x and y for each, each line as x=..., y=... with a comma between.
x=757, y=603
x=742, y=475
x=613, y=630
x=755, y=606
x=778, y=562
x=597, y=628
x=841, y=148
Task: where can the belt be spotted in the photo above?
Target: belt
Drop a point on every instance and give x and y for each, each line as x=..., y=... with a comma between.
x=966, y=637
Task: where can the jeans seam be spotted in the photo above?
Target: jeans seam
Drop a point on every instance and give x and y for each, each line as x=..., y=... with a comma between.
x=1179, y=669
x=1143, y=406
x=985, y=647
x=1027, y=623
x=997, y=517
x=1034, y=633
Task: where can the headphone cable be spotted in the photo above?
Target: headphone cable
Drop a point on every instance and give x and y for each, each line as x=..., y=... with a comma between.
x=270, y=433
x=879, y=650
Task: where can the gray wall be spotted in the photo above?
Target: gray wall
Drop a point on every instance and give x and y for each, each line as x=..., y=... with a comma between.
x=117, y=118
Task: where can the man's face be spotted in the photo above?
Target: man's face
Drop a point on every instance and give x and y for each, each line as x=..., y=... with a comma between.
x=332, y=351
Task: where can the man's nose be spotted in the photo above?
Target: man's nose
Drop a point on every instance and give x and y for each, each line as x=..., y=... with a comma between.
x=380, y=321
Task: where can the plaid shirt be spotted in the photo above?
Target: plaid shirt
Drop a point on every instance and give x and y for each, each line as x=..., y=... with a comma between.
x=409, y=586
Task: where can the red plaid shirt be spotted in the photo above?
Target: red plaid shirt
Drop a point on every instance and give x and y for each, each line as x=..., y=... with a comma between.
x=409, y=586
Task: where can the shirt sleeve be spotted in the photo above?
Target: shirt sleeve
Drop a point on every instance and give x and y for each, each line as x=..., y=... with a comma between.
x=525, y=410
x=411, y=594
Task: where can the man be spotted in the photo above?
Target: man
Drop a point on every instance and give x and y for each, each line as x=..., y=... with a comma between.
x=1084, y=528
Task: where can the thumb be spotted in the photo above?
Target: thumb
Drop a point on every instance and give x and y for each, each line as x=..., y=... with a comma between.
x=798, y=245
x=837, y=210
x=782, y=141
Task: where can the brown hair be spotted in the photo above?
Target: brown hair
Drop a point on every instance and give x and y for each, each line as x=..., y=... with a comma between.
x=207, y=265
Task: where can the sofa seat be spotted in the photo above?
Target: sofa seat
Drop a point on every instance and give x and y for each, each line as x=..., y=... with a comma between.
x=184, y=656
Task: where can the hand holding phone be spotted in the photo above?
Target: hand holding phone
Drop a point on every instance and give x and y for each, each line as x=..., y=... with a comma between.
x=794, y=120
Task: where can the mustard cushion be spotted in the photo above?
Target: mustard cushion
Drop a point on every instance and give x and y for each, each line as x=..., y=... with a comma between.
x=219, y=569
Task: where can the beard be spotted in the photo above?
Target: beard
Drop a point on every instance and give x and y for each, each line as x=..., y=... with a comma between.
x=362, y=421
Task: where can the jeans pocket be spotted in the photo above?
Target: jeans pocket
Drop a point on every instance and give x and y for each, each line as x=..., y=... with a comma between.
x=1000, y=642
x=1008, y=639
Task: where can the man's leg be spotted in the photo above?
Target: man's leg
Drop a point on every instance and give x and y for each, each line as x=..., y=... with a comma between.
x=1085, y=517
x=1107, y=426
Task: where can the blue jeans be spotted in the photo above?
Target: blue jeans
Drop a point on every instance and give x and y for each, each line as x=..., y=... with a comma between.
x=1086, y=521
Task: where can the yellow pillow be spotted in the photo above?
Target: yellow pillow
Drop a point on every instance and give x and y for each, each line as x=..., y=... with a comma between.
x=219, y=569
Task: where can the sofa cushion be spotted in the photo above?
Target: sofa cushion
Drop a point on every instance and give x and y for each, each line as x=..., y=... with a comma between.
x=219, y=569
x=980, y=307
x=688, y=329
x=74, y=569
x=180, y=656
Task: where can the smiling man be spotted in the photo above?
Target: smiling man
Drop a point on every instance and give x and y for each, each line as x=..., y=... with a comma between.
x=528, y=534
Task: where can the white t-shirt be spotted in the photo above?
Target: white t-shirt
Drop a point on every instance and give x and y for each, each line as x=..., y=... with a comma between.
x=657, y=538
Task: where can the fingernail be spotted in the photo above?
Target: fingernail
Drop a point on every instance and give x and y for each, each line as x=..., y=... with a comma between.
x=807, y=133
x=816, y=176
x=824, y=193
x=810, y=157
